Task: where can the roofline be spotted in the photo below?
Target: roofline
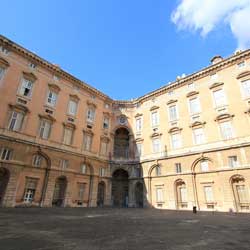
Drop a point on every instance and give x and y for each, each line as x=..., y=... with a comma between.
x=179, y=82
x=51, y=67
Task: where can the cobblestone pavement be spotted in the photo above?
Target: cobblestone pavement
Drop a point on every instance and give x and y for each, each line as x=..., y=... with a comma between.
x=121, y=229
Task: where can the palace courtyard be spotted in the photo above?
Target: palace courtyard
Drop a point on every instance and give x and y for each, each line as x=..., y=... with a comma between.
x=121, y=229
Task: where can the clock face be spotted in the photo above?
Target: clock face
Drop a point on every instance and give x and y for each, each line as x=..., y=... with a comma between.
x=122, y=120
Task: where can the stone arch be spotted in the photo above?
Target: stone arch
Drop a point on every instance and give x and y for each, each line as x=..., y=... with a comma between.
x=60, y=191
x=138, y=192
x=240, y=192
x=180, y=189
x=198, y=160
x=151, y=169
x=4, y=180
x=101, y=192
x=120, y=188
x=122, y=142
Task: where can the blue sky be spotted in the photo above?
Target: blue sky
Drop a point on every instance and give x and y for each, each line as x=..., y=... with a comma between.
x=123, y=48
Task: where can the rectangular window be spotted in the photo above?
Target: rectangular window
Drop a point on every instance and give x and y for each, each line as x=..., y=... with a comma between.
x=30, y=189
x=105, y=122
x=91, y=115
x=208, y=190
x=138, y=124
x=155, y=119
x=72, y=109
x=2, y=70
x=52, y=98
x=204, y=166
x=37, y=160
x=176, y=140
x=226, y=130
x=232, y=161
x=45, y=128
x=156, y=145
x=246, y=88
x=199, y=136
x=26, y=88
x=87, y=142
x=242, y=194
x=6, y=154
x=178, y=167
x=81, y=190
x=191, y=86
x=159, y=195
x=68, y=136
x=194, y=106
x=158, y=170
x=138, y=149
x=102, y=171
x=104, y=148
x=241, y=64
x=219, y=98
x=83, y=168
x=16, y=121
x=173, y=115
x=183, y=194
x=64, y=164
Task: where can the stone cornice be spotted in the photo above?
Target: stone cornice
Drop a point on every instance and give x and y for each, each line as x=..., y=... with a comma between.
x=178, y=83
x=49, y=66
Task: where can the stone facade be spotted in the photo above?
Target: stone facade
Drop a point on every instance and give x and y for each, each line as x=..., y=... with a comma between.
x=64, y=143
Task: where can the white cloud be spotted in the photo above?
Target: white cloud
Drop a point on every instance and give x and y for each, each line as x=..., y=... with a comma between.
x=204, y=15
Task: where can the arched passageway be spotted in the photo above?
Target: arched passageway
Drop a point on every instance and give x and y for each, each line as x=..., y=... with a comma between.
x=120, y=188
x=139, y=194
x=121, y=143
x=59, y=191
x=101, y=194
x=4, y=179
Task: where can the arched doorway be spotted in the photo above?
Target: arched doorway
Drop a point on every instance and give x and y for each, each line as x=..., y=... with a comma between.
x=181, y=194
x=59, y=191
x=139, y=194
x=101, y=194
x=120, y=188
x=4, y=179
x=121, y=143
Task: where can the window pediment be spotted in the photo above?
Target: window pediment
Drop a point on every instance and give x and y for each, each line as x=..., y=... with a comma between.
x=91, y=104
x=139, y=140
x=171, y=101
x=105, y=138
x=243, y=74
x=29, y=76
x=138, y=115
x=87, y=131
x=4, y=63
x=192, y=93
x=69, y=125
x=74, y=97
x=47, y=117
x=54, y=87
x=19, y=107
x=216, y=84
x=154, y=108
x=197, y=124
x=106, y=114
x=174, y=129
x=156, y=135
x=223, y=117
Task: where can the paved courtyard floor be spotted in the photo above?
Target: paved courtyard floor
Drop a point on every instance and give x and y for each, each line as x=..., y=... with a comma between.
x=121, y=229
